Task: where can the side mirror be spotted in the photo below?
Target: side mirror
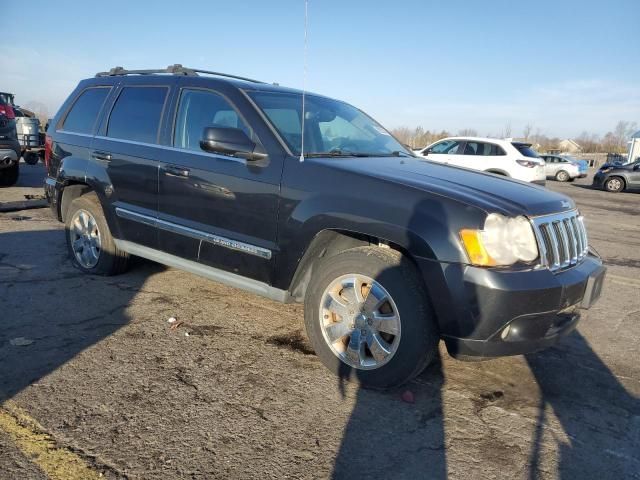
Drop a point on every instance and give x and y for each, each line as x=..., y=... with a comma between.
x=426, y=151
x=230, y=141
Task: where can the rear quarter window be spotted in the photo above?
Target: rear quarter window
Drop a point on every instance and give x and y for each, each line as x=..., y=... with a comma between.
x=84, y=112
x=526, y=150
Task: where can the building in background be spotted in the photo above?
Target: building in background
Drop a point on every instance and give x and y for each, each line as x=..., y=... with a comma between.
x=569, y=146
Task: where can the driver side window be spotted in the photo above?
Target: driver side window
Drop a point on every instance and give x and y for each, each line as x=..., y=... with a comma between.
x=199, y=109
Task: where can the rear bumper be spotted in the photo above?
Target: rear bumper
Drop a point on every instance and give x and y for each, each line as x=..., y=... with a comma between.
x=484, y=313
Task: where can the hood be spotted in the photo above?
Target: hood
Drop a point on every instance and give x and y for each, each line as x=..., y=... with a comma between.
x=486, y=191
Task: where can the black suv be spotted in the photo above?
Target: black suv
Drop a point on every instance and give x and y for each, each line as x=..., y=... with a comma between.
x=212, y=174
x=9, y=145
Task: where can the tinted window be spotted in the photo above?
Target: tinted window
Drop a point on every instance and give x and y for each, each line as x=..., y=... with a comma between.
x=136, y=114
x=525, y=149
x=199, y=109
x=82, y=116
x=446, y=146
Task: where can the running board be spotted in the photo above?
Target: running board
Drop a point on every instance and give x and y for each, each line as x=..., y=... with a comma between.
x=211, y=273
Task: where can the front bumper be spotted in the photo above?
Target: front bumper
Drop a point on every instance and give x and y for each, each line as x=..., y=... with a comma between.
x=484, y=313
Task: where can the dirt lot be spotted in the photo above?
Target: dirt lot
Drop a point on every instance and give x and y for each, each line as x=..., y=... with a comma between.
x=106, y=387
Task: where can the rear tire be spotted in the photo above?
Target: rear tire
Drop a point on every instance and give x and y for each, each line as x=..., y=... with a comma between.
x=31, y=158
x=89, y=241
x=9, y=176
x=614, y=184
x=562, y=176
x=361, y=344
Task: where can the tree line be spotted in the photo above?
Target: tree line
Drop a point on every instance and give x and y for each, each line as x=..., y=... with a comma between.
x=614, y=141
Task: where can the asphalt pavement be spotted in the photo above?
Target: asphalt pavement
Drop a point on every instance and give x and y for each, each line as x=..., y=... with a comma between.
x=94, y=380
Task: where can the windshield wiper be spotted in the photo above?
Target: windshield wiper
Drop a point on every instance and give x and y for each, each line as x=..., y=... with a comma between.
x=336, y=153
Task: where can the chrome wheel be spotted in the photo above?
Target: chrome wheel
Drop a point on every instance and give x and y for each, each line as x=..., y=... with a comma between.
x=563, y=176
x=614, y=184
x=85, y=239
x=360, y=321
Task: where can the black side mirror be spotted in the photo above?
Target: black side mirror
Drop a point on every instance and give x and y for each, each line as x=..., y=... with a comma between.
x=230, y=141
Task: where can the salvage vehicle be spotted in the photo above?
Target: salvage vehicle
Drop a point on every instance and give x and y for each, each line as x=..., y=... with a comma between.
x=243, y=183
x=501, y=157
x=9, y=146
x=28, y=130
x=616, y=178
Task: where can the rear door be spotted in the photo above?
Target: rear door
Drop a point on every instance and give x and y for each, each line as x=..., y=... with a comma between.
x=218, y=209
x=129, y=151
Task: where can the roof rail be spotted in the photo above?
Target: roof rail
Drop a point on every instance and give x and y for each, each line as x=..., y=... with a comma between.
x=175, y=69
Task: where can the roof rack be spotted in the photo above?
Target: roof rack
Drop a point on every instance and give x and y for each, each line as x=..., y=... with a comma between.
x=175, y=69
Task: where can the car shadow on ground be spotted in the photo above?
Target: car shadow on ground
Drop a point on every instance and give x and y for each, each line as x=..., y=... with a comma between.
x=50, y=311
x=388, y=438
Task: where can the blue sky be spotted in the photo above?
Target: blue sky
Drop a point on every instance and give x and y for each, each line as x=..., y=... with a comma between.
x=562, y=66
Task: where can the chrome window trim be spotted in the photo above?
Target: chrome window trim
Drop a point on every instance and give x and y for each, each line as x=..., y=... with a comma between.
x=195, y=234
x=175, y=149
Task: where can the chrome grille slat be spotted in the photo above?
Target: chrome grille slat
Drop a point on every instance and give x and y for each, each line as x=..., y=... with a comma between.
x=562, y=239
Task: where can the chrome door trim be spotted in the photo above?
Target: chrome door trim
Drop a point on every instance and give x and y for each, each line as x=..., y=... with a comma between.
x=215, y=274
x=195, y=234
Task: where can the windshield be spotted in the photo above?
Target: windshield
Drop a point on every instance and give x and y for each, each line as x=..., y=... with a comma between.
x=331, y=127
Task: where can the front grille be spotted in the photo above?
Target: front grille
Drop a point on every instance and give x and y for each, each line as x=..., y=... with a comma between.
x=562, y=239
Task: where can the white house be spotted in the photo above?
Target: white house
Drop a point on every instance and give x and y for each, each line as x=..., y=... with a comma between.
x=569, y=146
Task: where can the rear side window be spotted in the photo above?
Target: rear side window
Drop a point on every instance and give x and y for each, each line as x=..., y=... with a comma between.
x=526, y=150
x=200, y=109
x=136, y=114
x=84, y=112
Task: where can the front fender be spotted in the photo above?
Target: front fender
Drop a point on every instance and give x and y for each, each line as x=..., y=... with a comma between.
x=425, y=226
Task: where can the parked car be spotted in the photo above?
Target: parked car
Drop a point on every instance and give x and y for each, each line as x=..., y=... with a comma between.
x=563, y=168
x=616, y=178
x=389, y=253
x=502, y=157
x=28, y=129
x=9, y=146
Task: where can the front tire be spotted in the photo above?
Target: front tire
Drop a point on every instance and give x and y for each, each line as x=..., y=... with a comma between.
x=89, y=241
x=614, y=184
x=368, y=317
x=562, y=176
x=9, y=176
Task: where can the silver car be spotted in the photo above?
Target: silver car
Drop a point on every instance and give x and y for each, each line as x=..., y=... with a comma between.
x=562, y=168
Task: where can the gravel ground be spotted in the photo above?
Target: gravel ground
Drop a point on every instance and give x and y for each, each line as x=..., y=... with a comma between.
x=236, y=392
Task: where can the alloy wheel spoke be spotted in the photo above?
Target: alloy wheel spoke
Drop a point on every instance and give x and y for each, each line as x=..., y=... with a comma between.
x=354, y=348
x=336, y=331
x=77, y=244
x=338, y=306
x=379, y=348
x=375, y=299
x=386, y=323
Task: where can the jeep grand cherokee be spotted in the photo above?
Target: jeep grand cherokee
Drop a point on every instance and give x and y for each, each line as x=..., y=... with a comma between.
x=390, y=253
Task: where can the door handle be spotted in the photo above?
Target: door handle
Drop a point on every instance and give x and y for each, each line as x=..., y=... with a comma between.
x=176, y=171
x=101, y=156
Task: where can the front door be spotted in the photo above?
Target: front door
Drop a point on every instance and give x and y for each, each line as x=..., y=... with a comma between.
x=217, y=209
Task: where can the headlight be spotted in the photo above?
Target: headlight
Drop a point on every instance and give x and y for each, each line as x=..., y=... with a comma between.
x=605, y=170
x=502, y=241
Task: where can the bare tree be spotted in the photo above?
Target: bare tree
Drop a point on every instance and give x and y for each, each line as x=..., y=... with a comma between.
x=528, y=128
x=468, y=132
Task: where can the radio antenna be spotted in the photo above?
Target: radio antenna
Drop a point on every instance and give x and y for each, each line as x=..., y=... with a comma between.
x=304, y=75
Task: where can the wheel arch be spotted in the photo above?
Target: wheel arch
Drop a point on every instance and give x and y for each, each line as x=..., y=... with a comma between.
x=329, y=242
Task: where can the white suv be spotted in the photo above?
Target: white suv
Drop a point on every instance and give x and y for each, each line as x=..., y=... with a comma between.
x=502, y=157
